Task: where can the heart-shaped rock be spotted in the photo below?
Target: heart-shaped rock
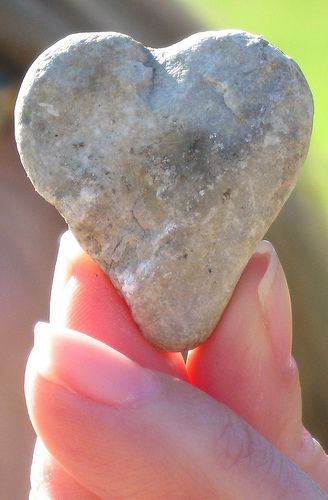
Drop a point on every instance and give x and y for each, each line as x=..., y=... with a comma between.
x=168, y=165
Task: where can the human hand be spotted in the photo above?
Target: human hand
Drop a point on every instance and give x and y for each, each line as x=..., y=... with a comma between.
x=141, y=424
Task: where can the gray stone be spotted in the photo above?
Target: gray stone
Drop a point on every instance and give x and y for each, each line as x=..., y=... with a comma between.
x=168, y=164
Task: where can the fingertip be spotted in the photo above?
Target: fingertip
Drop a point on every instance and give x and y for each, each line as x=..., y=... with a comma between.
x=50, y=480
x=69, y=254
x=239, y=312
x=84, y=299
x=246, y=363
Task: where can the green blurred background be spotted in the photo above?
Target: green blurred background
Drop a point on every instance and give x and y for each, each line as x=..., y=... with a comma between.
x=298, y=28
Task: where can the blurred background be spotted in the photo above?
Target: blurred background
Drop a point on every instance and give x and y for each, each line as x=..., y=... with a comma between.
x=30, y=228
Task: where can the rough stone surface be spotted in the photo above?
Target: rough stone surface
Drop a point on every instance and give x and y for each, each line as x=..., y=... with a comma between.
x=168, y=164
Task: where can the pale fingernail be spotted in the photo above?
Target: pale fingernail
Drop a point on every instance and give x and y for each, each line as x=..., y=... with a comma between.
x=90, y=368
x=274, y=300
x=69, y=248
x=312, y=458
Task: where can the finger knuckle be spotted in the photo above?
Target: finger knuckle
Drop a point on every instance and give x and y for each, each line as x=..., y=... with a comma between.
x=237, y=445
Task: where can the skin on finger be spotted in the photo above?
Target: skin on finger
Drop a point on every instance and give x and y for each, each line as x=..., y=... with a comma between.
x=247, y=362
x=84, y=299
x=80, y=300
x=49, y=480
x=240, y=366
x=171, y=440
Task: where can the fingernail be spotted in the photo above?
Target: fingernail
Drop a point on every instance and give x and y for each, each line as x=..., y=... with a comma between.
x=69, y=248
x=311, y=457
x=90, y=368
x=275, y=304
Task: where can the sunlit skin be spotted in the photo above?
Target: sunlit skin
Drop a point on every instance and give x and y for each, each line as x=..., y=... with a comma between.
x=110, y=428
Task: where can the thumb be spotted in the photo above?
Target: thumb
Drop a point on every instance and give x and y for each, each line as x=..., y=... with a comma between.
x=123, y=431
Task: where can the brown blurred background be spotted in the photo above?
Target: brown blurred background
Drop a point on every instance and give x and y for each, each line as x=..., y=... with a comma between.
x=29, y=227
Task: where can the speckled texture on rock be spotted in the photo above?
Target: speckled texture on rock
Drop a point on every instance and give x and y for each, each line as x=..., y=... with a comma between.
x=168, y=164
